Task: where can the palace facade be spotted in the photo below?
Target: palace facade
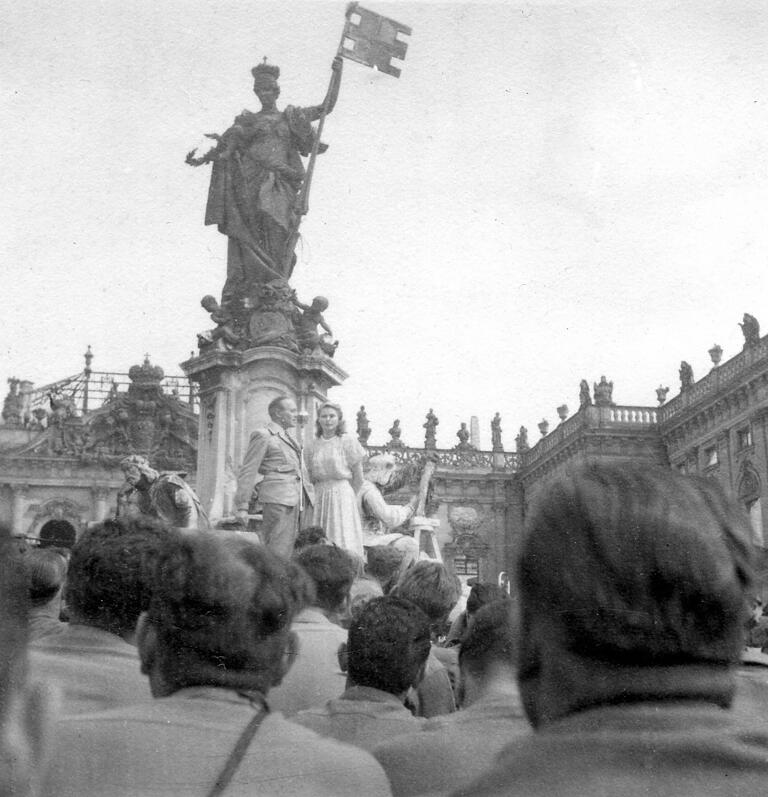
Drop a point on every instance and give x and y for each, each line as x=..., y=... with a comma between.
x=60, y=448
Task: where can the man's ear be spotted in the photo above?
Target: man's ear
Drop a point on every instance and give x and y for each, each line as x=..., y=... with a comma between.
x=146, y=641
x=290, y=652
x=420, y=673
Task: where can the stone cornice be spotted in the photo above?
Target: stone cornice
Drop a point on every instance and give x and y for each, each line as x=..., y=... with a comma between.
x=195, y=367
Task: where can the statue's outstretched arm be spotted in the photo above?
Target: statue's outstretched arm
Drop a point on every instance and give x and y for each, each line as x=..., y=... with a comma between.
x=329, y=103
x=209, y=156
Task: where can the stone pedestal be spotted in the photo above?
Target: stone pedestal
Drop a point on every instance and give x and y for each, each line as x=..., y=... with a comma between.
x=235, y=389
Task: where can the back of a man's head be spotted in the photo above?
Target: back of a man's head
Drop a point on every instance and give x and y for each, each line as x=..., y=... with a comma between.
x=482, y=593
x=220, y=614
x=109, y=573
x=431, y=587
x=312, y=535
x=634, y=566
x=490, y=640
x=332, y=571
x=46, y=572
x=389, y=643
x=385, y=563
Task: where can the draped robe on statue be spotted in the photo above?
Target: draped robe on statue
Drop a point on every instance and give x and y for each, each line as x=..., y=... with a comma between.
x=252, y=195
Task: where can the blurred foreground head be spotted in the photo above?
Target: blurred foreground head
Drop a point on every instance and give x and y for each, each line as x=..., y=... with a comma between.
x=24, y=710
x=108, y=579
x=624, y=570
x=219, y=615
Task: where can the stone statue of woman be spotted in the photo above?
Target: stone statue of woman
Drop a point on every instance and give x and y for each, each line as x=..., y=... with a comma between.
x=255, y=182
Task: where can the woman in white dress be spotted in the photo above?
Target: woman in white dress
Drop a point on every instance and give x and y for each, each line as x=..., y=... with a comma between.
x=335, y=463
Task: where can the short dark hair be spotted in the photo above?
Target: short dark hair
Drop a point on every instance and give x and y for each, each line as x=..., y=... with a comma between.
x=312, y=535
x=388, y=644
x=274, y=405
x=384, y=564
x=46, y=572
x=490, y=639
x=222, y=607
x=108, y=583
x=431, y=587
x=482, y=594
x=637, y=565
x=332, y=570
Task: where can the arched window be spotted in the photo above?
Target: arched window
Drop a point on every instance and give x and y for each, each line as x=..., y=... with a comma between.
x=58, y=533
x=749, y=494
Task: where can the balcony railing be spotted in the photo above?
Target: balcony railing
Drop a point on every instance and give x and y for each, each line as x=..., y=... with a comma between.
x=452, y=458
x=591, y=417
x=720, y=376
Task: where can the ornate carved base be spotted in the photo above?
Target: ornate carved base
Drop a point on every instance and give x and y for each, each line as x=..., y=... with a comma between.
x=235, y=390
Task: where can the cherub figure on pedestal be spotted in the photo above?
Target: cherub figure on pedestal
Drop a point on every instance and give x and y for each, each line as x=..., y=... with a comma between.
x=306, y=324
x=224, y=335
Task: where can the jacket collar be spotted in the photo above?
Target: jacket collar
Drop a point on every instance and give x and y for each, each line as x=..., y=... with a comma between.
x=283, y=434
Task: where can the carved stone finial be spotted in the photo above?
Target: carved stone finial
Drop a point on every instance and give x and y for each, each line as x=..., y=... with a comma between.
x=716, y=354
x=562, y=412
x=543, y=427
x=661, y=394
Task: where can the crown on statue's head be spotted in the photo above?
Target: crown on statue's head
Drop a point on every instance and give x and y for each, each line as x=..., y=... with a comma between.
x=265, y=71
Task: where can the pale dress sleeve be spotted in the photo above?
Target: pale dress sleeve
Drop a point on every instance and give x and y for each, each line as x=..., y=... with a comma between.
x=353, y=451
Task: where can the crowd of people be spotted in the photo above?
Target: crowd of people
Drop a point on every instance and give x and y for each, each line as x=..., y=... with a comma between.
x=155, y=660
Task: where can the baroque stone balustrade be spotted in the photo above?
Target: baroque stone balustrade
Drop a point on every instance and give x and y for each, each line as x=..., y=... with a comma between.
x=591, y=417
x=718, y=378
x=454, y=459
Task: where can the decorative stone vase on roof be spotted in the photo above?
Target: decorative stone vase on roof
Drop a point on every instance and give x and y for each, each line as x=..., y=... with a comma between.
x=562, y=412
x=543, y=427
x=604, y=393
x=716, y=354
x=661, y=394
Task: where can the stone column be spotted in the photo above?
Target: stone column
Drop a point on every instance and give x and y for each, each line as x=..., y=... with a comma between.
x=235, y=388
x=18, y=508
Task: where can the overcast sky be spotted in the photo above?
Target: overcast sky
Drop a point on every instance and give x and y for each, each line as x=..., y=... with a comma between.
x=550, y=192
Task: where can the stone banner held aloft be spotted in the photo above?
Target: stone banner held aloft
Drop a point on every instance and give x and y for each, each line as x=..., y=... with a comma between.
x=373, y=40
